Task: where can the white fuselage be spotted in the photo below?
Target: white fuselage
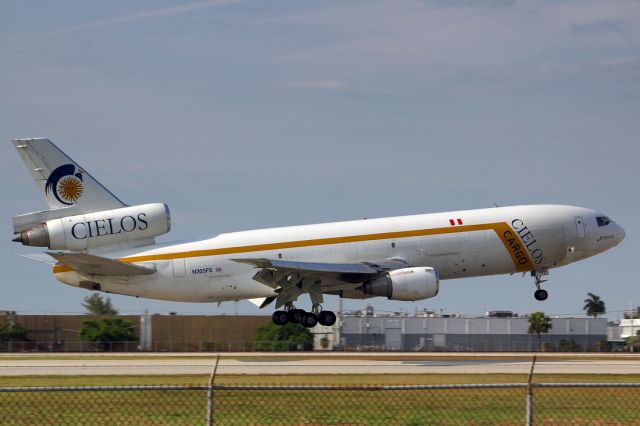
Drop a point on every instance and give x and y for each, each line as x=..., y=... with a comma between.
x=458, y=244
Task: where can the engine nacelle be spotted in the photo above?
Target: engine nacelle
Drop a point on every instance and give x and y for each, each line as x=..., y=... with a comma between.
x=405, y=284
x=101, y=228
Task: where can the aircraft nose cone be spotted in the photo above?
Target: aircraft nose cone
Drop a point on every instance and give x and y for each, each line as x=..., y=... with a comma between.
x=621, y=233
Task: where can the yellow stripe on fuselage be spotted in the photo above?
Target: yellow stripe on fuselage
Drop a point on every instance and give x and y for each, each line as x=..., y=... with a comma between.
x=502, y=229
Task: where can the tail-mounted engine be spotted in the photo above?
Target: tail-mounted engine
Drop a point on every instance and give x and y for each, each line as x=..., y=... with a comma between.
x=107, y=227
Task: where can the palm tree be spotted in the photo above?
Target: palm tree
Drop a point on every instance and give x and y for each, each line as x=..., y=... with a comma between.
x=631, y=314
x=593, y=305
x=539, y=323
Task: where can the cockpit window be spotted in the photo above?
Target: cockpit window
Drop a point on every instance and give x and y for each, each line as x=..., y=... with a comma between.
x=603, y=221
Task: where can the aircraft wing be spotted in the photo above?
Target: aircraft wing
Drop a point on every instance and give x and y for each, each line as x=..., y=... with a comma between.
x=97, y=265
x=333, y=277
x=329, y=269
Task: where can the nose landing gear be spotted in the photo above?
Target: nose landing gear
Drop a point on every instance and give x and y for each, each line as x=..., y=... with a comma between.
x=540, y=294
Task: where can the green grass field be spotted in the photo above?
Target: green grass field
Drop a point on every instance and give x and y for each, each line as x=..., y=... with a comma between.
x=344, y=406
x=306, y=379
x=469, y=406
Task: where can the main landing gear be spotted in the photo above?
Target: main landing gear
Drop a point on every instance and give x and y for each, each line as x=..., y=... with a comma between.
x=300, y=316
x=540, y=294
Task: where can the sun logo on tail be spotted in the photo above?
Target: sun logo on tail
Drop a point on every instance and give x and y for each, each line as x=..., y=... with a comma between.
x=65, y=184
x=70, y=189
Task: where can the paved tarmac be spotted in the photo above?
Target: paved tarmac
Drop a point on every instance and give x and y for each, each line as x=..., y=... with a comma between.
x=334, y=363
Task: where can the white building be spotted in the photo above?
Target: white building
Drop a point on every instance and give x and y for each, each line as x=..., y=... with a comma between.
x=470, y=334
x=326, y=338
x=629, y=327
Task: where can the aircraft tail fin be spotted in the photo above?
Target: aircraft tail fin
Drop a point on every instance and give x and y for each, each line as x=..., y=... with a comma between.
x=63, y=183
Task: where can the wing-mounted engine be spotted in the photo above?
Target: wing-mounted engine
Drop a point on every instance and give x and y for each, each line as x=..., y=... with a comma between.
x=407, y=284
x=80, y=232
x=390, y=278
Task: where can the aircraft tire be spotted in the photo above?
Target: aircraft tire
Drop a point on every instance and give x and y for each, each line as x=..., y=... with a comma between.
x=309, y=320
x=541, y=294
x=327, y=318
x=295, y=315
x=280, y=318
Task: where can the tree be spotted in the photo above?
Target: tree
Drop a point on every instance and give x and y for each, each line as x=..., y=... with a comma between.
x=539, y=323
x=602, y=345
x=9, y=332
x=633, y=342
x=107, y=330
x=96, y=305
x=568, y=346
x=290, y=336
x=324, y=342
x=594, y=306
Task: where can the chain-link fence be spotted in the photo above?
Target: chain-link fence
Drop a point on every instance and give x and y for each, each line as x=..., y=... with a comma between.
x=515, y=403
x=157, y=346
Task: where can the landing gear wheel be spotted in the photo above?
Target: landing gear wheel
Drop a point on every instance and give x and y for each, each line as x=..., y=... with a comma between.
x=295, y=315
x=280, y=318
x=309, y=320
x=327, y=318
x=541, y=294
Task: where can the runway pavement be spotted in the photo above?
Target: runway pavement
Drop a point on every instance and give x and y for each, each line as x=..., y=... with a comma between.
x=335, y=363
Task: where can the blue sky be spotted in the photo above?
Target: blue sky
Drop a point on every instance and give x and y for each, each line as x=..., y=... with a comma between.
x=247, y=114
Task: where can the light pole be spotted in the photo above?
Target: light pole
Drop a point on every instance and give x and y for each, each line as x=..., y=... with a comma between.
x=631, y=340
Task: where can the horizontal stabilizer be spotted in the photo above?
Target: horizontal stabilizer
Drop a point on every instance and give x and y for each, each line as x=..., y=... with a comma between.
x=27, y=221
x=38, y=257
x=96, y=265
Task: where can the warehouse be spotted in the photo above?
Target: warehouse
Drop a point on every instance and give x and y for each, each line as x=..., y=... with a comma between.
x=361, y=331
x=469, y=334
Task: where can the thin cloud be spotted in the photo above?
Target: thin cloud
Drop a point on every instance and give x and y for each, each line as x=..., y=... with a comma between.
x=330, y=85
x=470, y=3
x=150, y=14
x=601, y=26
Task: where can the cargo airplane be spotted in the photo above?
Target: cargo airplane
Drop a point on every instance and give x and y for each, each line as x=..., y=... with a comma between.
x=99, y=243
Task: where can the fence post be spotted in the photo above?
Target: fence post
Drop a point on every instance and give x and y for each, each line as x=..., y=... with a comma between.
x=529, y=397
x=210, y=394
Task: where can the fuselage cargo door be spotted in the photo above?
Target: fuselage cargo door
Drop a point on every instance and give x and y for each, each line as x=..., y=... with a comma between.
x=179, y=268
x=447, y=264
x=579, y=226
